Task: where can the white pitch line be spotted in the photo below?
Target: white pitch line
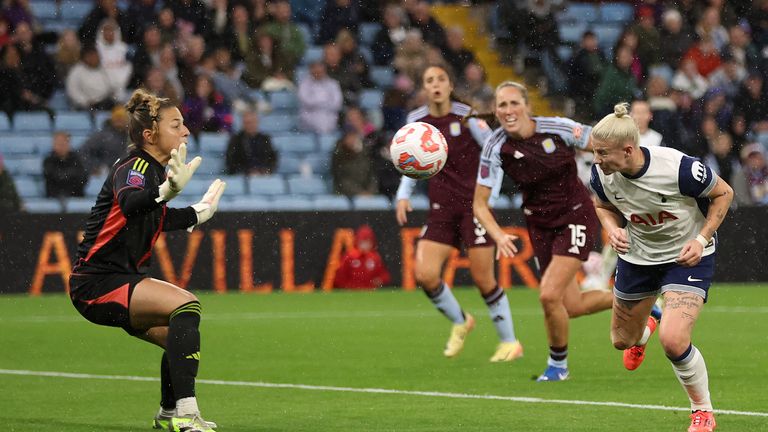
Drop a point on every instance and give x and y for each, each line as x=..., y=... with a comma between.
x=379, y=391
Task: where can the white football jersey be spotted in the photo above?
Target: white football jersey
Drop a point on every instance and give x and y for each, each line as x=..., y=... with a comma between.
x=665, y=204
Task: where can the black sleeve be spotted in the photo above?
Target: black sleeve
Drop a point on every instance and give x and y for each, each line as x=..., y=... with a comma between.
x=179, y=218
x=135, y=191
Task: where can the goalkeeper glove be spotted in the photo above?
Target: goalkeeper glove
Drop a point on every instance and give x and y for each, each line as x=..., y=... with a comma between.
x=209, y=204
x=179, y=173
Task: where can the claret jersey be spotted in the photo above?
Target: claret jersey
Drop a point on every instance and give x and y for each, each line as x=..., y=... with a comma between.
x=665, y=204
x=126, y=220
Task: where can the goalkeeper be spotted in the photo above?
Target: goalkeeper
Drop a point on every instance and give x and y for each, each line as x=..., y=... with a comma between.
x=109, y=283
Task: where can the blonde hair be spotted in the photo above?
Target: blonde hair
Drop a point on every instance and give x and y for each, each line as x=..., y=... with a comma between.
x=144, y=113
x=618, y=127
x=517, y=85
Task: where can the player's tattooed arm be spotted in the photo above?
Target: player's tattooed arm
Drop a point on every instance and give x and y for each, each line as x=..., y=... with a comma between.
x=720, y=198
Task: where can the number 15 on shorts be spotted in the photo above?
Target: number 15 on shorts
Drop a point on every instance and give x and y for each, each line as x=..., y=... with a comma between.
x=578, y=235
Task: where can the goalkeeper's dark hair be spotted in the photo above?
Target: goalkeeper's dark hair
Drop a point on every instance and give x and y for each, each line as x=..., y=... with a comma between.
x=144, y=113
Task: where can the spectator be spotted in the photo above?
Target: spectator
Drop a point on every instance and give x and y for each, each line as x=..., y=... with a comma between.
x=36, y=65
x=64, y=173
x=741, y=49
x=641, y=114
x=541, y=39
x=239, y=37
x=455, y=53
x=410, y=56
x=751, y=104
x=629, y=39
x=729, y=76
x=710, y=28
x=705, y=55
x=390, y=36
x=676, y=39
x=113, y=53
x=67, y=54
x=756, y=172
x=88, y=85
x=689, y=80
x=665, y=118
x=362, y=267
x=102, y=148
x=226, y=79
x=320, y=100
x=189, y=60
x=394, y=106
x=17, y=12
x=474, y=88
x=5, y=32
x=723, y=160
x=350, y=83
x=376, y=144
x=336, y=16
x=9, y=197
x=287, y=36
x=14, y=96
x=264, y=62
x=351, y=57
x=617, y=83
x=170, y=68
x=157, y=83
x=205, y=110
x=102, y=10
x=143, y=13
x=648, y=37
x=250, y=151
x=585, y=69
x=166, y=24
x=431, y=31
x=147, y=54
x=191, y=14
x=218, y=17
x=351, y=166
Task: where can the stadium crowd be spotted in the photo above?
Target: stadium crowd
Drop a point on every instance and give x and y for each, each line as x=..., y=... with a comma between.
x=249, y=70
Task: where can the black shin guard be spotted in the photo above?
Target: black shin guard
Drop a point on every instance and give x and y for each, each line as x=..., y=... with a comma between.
x=167, y=398
x=184, y=348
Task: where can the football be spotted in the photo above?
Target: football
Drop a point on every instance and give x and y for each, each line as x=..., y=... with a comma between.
x=419, y=150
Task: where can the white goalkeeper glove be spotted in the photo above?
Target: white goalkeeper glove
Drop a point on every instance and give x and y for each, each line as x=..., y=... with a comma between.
x=209, y=204
x=179, y=173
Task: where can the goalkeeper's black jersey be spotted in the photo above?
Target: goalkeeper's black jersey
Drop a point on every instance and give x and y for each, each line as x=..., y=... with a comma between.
x=126, y=220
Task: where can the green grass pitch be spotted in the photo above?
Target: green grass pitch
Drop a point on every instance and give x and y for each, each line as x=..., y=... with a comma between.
x=328, y=348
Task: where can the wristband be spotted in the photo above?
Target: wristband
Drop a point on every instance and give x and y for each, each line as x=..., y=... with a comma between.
x=702, y=240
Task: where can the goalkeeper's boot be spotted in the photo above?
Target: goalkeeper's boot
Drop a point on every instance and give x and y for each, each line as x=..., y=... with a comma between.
x=702, y=421
x=162, y=422
x=193, y=423
x=553, y=373
x=459, y=333
x=507, y=351
x=633, y=357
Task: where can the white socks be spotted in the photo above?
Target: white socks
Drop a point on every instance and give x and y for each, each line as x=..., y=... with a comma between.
x=446, y=303
x=498, y=309
x=691, y=371
x=644, y=338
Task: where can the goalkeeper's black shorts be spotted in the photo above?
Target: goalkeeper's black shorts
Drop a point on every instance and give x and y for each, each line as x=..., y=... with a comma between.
x=104, y=299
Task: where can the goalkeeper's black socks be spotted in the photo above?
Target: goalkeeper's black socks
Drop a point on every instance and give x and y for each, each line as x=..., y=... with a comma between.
x=183, y=348
x=167, y=397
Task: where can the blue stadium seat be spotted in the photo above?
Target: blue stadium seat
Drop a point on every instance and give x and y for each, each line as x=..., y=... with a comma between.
x=294, y=143
x=332, y=202
x=375, y=202
x=99, y=117
x=292, y=203
x=312, y=54
x=76, y=140
x=564, y=52
x=25, y=166
x=235, y=185
x=420, y=202
x=370, y=99
x=319, y=162
x=272, y=123
x=616, y=12
x=73, y=121
x=75, y=9
x=213, y=143
x=59, y=101
x=213, y=166
x=5, y=122
x=266, y=185
x=306, y=31
x=284, y=100
x=366, y=53
x=578, y=12
x=327, y=142
x=288, y=164
x=17, y=145
x=383, y=76
x=368, y=31
x=32, y=121
x=44, y=205
x=44, y=10
x=196, y=188
x=94, y=185
x=79, y=205
x=28, y=187
x=607, y=34
x=306, y=185
x=246, y=204
x=572, y=32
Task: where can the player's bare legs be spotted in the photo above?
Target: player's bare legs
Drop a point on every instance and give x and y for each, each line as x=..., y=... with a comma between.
x=171, y=316
x=481, y=267
x=430, y=259
x=560, y=273
x=579, y=302
x=628, y=321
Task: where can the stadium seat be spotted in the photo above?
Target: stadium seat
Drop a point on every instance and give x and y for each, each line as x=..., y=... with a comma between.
x=75, y=9
x=33, y=121
x=375, y=202
x=100, y=117
x=94, y=185
x=75, y=140
x=213, y=165
x=246, y=203
x=79, y=205
x=306, y=185
x=306, y=32
x=366, y=53
x=266, y=185
x=312, y=54
x=275, y=123
x=284, y=100
x=25, y=166
x=294, y=203
x=59, y=101
x=5, y=122
x=571, y=33
x=382, y=76
x=319, y=162
x=73, y=121
x=332, y=202
x=28, y=187
x=294, y=143
x=44, y=10
x=616, y=12
x=607, y=34
x=420, y=202
x=370, y=99
x=44, y=205
x=196, y=188
x=578, y=12
x=288, y=164
x=213, y=143
x=235, y=185
x=368, y=31
x=564, y=52
x=17, y=145
x=327, y=142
